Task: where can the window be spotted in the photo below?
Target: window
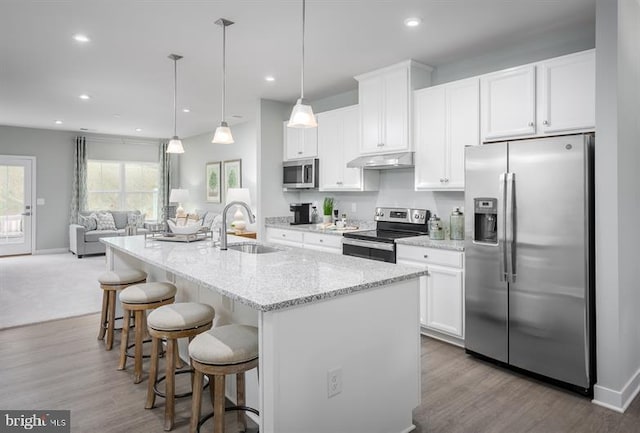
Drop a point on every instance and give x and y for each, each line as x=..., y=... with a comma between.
x=120, y=185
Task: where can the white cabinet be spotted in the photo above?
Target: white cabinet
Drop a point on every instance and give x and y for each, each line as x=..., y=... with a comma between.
x=385, y=106
x=566, y=93
x=299, y=143
x=338, y=143
x=546, y=98
x=441, y=290
x=284, y=237
x=447, y=119
x=328, y=243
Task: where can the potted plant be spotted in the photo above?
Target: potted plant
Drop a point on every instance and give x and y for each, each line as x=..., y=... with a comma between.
x=327, y=209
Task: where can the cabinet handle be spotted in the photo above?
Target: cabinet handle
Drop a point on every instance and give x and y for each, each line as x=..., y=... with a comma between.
x=283, y=235
x=426, y=256
x=546, y=123
x=446, y=179
x=530, y=123
x=428, y=273
x=441, y=180
x=380, y=144
x=321, y=240
x=299, y=153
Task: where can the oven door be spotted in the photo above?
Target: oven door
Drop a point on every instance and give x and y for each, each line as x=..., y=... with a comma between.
x=381, y=251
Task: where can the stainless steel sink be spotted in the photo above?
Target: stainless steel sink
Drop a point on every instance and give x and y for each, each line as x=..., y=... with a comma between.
x=251, y=248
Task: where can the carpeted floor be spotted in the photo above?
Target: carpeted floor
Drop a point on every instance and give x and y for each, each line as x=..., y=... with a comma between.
x=48, y=286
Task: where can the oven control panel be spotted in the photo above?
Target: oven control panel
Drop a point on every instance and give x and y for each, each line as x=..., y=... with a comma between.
x=402, y=215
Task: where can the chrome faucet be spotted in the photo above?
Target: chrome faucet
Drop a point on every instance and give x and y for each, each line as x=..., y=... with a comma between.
x=223, y=229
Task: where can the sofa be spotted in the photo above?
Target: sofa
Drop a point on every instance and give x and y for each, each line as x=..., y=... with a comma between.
x=84, y=241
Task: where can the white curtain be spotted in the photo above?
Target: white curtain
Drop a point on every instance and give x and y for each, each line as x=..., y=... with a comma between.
x=79, y=186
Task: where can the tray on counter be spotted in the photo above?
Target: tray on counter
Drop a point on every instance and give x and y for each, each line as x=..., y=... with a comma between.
x=179, y=237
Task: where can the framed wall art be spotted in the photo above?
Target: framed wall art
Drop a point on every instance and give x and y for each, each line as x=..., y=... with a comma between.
x=232, y=171
x=214, y=182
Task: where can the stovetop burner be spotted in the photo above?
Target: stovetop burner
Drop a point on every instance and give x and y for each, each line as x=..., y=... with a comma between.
x=382, y=235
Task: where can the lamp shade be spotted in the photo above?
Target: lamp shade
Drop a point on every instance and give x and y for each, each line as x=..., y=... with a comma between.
x=239, y=194
x=175, y=146
x=302, y=116
x=179, y=195
x=223, y=134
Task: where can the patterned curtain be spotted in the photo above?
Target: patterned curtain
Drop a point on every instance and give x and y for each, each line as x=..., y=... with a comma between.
x=164, y=185
x=79, y=187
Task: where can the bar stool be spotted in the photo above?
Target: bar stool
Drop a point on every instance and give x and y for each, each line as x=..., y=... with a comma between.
x=137, y=299
x=229, y=349
x=110, y=283
x=170, y=322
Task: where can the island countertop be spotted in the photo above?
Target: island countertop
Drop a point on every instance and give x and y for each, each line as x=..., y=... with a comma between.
x=266, y=282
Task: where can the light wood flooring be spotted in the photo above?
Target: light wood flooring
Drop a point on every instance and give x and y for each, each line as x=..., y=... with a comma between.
x=61, y=365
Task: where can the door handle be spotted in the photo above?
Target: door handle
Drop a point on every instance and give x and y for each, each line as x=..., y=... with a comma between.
x=26, y=213
x=501, y=227
x=510, y=230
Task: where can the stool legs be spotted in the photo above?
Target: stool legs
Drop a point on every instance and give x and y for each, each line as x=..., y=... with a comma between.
x=196, y=401
x=124, y=339
x=111, y=318
x=240, y=401
x=138, y=349
x=103, y=315
x=170, y=385
x=218, y=404
x=153, y=372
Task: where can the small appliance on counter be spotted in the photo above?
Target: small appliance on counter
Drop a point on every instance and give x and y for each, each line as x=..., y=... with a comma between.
x=300, y=213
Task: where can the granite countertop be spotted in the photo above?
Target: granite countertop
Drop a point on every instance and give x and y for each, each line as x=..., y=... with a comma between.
x=266, y=282
x=424, y=241
x=285, y=223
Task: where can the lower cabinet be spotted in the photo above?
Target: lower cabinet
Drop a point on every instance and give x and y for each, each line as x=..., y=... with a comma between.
x=441, y=290
x=314, y=241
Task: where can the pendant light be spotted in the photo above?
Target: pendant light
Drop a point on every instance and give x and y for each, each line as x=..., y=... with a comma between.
x=175, y=145
x=223, y=132
x=302, y=114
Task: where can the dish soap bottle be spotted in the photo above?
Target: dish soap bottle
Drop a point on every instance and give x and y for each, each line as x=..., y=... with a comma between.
x=314, y=215
x=436, y=232
x=456, y=223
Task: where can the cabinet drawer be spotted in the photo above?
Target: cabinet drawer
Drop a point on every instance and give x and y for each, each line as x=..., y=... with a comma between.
x=275, y=235
x=430, y=256
x=330, y=241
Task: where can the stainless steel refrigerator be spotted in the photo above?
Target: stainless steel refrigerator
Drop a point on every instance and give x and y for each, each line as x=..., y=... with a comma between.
x=529, y=257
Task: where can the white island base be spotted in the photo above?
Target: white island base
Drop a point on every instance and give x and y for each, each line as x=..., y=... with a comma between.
x=369, y=339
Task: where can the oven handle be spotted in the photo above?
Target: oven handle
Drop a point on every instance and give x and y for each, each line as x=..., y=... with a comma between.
x=368, y=244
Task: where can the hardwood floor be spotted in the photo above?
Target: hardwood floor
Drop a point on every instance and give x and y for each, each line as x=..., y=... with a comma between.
x=61, y=365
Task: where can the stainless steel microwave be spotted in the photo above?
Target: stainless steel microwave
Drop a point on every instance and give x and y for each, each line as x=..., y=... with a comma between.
x=300, y=174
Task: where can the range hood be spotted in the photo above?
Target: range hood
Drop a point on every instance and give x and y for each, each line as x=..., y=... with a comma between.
x=383, y=162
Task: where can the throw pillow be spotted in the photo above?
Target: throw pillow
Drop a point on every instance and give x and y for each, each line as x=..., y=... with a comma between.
x=136, y=219
x=105, y=221
x=89, y=222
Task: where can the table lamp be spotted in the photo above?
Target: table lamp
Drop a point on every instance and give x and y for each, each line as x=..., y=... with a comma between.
x=238, y=194
x=179, y=196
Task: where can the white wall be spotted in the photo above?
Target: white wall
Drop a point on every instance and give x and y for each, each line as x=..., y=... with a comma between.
x=198, y=150
x=617, y=201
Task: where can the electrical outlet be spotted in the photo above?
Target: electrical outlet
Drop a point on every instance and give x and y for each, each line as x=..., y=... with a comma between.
x=334, y=382
x=354, y=207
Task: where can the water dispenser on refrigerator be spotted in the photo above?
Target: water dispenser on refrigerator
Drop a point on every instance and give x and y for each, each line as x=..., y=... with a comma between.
x=485, y=220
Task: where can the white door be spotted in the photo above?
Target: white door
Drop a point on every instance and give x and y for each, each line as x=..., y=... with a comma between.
x=430, y=137
x=352, y=177
x=329, y=151
x=309, y=147
x=463, y=127
x=15, y=205
x=396, y=110
x=370, y=97
x=444, y=300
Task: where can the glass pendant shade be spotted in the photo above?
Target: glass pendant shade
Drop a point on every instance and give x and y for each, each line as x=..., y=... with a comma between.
x=175, y=145
x=223, y=134
x=302, y=116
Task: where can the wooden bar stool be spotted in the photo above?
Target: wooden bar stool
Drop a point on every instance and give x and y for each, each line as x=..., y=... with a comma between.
x=137, y=299
x=170, y=322
x=230, y=349
x=110, y=283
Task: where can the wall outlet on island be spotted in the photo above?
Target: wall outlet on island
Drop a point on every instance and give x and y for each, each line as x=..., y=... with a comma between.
x=334, y=382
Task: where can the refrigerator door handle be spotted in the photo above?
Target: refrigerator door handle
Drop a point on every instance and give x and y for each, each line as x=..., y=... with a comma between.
x=501, y=227
x=510, y=228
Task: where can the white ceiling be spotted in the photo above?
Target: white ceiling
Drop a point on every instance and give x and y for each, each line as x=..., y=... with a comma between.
x=126, y=71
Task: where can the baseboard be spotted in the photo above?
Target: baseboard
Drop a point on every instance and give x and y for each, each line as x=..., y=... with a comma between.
x=52, y=251
x=618, y=401
x=442, y=337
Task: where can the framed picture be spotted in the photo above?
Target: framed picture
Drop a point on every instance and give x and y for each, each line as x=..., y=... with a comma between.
x=232, y=174
x=214, y=184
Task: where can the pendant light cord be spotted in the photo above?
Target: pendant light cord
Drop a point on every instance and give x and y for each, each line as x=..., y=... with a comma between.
x=175, y=96
x=302, y=63
x=224, y=67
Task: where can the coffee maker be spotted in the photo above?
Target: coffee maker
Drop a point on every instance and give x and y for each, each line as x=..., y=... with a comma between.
x=300, y=213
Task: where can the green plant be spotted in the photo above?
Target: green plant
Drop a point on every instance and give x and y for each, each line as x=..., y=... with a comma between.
x=327, y=206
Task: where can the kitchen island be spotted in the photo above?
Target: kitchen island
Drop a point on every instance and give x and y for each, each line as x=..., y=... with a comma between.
x=321, y=316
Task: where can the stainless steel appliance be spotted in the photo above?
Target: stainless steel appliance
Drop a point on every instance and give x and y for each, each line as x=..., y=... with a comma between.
x=391, y=224
x=529, y=294
x=301, y=174
x=300, y=213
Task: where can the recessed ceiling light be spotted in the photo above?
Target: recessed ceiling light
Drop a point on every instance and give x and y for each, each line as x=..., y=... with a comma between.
x=85, y=96
x=186, y=110
x=412, y=22
x=138, y=129
x=81, y=38
x=117, y=116
x=269, y=78
x=58, y=122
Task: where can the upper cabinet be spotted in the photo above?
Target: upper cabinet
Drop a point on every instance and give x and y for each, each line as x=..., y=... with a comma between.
x=447, y=119
x=385, y=106
x=339, y=143
x=299, y=143
x=546, y=98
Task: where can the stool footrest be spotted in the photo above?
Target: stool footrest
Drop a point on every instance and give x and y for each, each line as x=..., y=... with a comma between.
x=132, y=345
x=184, y=394
x=227, y=409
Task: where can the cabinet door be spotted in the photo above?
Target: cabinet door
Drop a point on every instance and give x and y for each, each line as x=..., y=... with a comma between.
x=508, y=103
x=370, y=97
x=423, y=301
x=395, y=110
x=309, y=147
x=463, y=127
x=292, y=142
x=352, y=178
x=568, y=93
x=444, y=300
x=430, y=139
x=329, y=151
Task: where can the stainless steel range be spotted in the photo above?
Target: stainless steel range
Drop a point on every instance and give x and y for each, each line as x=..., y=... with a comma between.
x=391, y=224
